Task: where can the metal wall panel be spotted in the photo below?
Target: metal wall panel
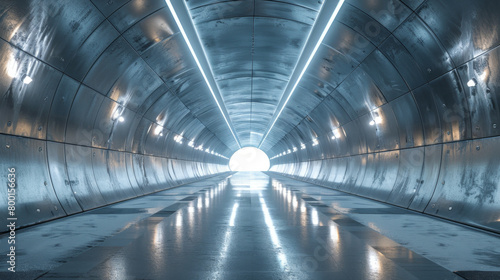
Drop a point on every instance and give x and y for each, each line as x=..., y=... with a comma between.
x=390, y=13
x=429, y=179
x=88, y=53
x=133, y=11
x=134, y=182
x=110, y=177
x=484, y=98
x=411, y=133
x=430, y=115
x=421, y=42
x=43, y=27
x=36, y=200
x=468, y=185
x=452, y=107
x=409, y=178
x=82, y=178
x=111, y=65
x=56, y=157
x=389, y=81
x=448, y=22
x=404, y=61
x=60, y=108
x=82, y=117
x=24, y=108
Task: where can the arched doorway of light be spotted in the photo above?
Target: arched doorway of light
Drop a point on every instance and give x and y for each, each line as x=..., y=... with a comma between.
x=249, y=159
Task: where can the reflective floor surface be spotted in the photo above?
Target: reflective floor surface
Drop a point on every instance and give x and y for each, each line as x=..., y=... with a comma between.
x=252, y=226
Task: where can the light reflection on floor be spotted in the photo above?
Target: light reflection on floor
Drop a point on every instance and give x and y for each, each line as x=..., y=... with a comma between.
x=246, y=227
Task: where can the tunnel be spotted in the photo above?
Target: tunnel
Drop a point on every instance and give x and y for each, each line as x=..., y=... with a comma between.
x=379, y=118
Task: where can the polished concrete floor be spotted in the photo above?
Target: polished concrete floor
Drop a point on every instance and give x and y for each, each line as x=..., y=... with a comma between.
x=252, y=226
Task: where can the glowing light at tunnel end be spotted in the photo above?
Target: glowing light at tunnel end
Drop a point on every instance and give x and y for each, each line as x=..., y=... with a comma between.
x=249, y=159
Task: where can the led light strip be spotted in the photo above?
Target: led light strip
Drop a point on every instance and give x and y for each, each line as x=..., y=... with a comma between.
x=313, y=53
x=184, y=35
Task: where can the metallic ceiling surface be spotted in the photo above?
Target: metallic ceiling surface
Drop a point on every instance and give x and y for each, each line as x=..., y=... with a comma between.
x=117, y=106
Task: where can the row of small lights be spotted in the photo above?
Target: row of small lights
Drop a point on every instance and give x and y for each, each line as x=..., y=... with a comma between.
x=117, y=116
x=375, y=120
x=12, y=71
x=178, y=139
x=335, y=135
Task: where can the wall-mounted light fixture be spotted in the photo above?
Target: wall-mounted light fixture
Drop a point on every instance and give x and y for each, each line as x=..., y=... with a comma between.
x=472, y=83
x=27, y=79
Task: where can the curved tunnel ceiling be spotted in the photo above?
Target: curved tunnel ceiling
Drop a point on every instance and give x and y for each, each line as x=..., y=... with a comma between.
x=391, y=78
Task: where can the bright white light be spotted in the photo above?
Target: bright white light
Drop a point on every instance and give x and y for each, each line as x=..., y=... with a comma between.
x=191, y=143
x=274, y=235
x=315, y=142
x=184, y=35
x=158, y=130
x=313, y=53
x=249, y=159
x=12, y=68
x=376, y=120
x=233, y=214
x=121, y=119
x=178, y=139
x=27, y=80
x=472, y=83
x=288, y=151
x=336, y=133
x=302, y=146
x=314, y=217
x=294, y=149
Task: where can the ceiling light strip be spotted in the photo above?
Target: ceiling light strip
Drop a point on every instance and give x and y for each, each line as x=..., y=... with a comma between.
x=193, y=53
x=313, y=53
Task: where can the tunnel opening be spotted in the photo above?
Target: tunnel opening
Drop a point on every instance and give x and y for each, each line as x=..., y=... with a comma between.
x=249, y=159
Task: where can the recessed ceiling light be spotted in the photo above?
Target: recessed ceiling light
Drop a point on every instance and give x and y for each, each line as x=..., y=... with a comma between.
x=472, y=83
x=27, y=80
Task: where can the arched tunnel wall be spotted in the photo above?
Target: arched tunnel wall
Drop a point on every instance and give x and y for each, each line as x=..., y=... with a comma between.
x=433, y=145
x=117, y=107
x=63, y=133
